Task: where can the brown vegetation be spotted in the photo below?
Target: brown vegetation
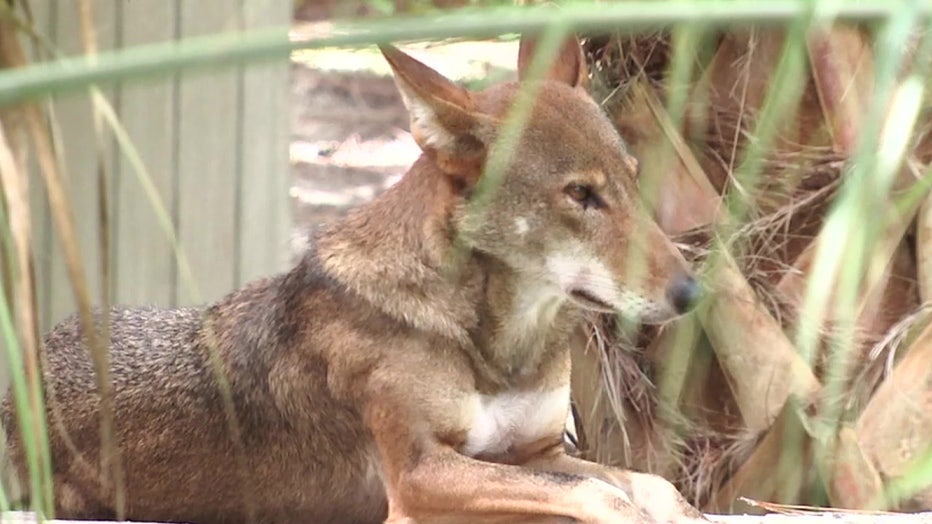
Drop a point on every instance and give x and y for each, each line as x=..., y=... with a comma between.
x=725, y=403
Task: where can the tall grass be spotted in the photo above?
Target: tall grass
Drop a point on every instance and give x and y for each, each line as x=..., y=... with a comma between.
x=846, y=261
x=225, y=50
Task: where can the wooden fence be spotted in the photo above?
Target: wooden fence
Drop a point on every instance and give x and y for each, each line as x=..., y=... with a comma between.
x=215, y=145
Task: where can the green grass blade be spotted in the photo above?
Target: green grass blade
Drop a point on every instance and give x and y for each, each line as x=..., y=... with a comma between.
x=227, y=50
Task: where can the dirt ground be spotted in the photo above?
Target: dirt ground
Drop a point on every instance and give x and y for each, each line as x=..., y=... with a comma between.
x=349, y=141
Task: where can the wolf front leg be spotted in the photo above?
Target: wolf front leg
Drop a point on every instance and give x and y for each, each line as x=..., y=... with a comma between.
x=443, y=486
x=428, y=481
x=651, y=493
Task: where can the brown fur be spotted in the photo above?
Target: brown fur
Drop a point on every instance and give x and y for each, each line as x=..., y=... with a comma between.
x=376, y=380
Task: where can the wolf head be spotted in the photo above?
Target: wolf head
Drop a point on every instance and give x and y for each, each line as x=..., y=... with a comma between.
x=565, y=211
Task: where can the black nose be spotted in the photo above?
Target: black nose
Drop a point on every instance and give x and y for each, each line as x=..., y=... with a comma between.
x=684, y=292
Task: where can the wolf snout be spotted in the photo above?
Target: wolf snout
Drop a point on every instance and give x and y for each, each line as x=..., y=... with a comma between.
x=684, y=292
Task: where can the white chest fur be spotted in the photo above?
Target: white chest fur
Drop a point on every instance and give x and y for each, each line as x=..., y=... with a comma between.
x=513, y=418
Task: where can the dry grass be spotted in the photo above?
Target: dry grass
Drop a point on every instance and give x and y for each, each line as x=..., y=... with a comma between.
x=724, y=431
x=724, y=401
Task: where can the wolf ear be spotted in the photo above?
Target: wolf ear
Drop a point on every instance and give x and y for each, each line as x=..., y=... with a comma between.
x=569, y=66
x=444, y=120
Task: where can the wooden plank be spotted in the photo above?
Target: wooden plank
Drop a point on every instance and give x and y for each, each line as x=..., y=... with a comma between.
x=43, y=13
x=207, y=161
x=826, y=517
x=79, y=162
x=263, y=206
x=812, y=517
x=143, y=257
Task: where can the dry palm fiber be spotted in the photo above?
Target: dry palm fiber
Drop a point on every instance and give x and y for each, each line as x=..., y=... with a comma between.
x=691, y=418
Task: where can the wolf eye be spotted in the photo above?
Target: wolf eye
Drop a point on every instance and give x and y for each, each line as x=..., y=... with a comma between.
x=578, y=192
x=583, y=195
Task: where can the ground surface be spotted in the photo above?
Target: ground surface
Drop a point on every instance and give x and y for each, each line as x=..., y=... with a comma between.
x=349, y=140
